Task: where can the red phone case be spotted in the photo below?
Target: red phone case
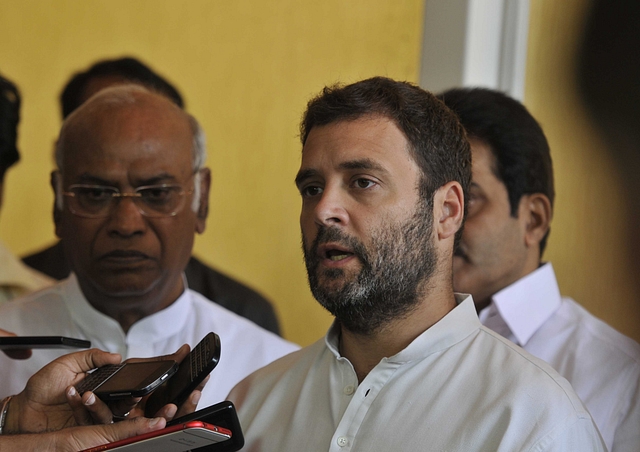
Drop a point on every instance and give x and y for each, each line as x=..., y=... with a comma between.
x=177, y=438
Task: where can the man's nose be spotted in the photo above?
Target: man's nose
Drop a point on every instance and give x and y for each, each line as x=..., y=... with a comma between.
x=331, y=208
x=126, y=219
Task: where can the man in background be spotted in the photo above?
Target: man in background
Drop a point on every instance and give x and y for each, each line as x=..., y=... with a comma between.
x=211, y=283
x=16, y=279
x=516, y=294
x=406, y=365
x=131, y=191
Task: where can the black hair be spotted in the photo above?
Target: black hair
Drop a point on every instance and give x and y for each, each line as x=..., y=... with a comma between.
x=437, y=140
x=9, y=119
x=128, y=68
x=521, y=150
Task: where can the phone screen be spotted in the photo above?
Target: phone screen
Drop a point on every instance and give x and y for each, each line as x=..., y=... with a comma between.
x=136, y=375
x=127, y=379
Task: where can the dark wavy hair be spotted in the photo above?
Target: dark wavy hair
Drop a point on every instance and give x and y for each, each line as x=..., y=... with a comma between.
x=128, y=68
x=521, y=150
x=437, y=141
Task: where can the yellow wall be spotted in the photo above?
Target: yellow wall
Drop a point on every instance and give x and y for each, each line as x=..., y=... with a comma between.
x=246, y=68
x=588, y=243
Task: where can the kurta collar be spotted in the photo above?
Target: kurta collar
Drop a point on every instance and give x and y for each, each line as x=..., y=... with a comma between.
x=153, y=328
x=528, y=303
x=451, y=329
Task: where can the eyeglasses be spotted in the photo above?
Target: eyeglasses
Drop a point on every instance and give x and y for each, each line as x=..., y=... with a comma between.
x=98, y=201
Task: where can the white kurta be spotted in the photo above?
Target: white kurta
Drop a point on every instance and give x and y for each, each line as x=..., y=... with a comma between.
x=63, y=310
x=602, y=365
x=456, y=387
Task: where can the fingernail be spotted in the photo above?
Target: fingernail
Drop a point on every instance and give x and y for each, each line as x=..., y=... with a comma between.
x=153, y=422
x=72, y=392
x=195, y=398
x=91, y=400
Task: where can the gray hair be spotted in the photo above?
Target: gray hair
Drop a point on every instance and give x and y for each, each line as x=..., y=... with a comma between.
x=120, y=96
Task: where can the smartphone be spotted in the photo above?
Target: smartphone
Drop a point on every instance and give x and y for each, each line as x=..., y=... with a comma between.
x=137, y=379
x=192, y=370
x=222, y=414
x=21, y=342
x=177, y=438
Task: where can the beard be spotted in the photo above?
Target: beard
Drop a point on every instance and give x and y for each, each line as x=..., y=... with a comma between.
x=394, y=274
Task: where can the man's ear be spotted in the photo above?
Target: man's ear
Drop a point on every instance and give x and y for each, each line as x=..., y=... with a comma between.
x=536, y=212
x=58, y=200
x=448, y=209
x=203, y=207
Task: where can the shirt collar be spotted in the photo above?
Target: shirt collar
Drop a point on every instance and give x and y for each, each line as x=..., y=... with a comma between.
x=460, y=322
x=153, y=328
x=526, y=304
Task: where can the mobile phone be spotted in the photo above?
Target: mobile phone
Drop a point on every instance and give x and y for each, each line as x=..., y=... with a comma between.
x=21, y=342
x=222, y=414
x=192, y=370
x=177, y=438
x=117, y=381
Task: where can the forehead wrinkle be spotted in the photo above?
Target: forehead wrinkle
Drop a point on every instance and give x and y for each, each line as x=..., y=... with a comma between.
x=365, y=164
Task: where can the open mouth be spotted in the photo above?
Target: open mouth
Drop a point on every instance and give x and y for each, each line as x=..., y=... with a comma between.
x=337, y=255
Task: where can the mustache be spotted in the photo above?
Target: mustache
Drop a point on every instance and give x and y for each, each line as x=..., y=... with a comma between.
x=335, y=235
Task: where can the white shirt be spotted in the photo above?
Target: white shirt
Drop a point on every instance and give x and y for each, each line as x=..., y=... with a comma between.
x=16, y=279
x=602, y=365
x=457, y=387
x=63, y=310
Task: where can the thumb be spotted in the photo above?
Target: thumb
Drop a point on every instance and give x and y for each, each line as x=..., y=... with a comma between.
x=97, y=435
x=132, y=427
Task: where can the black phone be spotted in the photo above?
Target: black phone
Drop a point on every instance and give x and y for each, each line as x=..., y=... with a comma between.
x=22, y=342
x=192, y=370
x=222, y=414
x=127, y=379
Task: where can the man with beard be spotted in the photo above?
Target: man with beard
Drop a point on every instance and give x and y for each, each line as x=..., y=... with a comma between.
x=406, y=365
x=517, y=295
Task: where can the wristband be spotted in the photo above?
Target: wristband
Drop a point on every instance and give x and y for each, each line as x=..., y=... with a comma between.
x=3, y=412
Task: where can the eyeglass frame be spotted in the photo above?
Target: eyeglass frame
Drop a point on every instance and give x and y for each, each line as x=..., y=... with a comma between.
x=116, y=193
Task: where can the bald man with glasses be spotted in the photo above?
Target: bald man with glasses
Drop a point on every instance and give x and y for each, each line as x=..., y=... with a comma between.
x=131, y=190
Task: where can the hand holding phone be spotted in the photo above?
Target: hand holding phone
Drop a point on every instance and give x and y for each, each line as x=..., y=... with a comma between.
x=191, y=372
x=127, y=379
x=177, y=438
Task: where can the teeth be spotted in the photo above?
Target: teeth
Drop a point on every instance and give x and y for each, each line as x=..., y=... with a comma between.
x=338, y=257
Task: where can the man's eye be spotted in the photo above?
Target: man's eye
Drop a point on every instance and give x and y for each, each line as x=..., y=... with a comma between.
x=95, y=193
x=156, y=194
x=311, y=190
x=364, y=183
x=474, y=202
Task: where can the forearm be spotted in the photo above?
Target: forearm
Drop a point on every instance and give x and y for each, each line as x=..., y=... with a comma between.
x=41, y=442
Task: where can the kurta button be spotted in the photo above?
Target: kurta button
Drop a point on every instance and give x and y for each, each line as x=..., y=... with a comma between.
x=348, y=390
x=342, y=441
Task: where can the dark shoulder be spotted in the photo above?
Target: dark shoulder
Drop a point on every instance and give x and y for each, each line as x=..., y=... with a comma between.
x=50, y=261
x=231, y=294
